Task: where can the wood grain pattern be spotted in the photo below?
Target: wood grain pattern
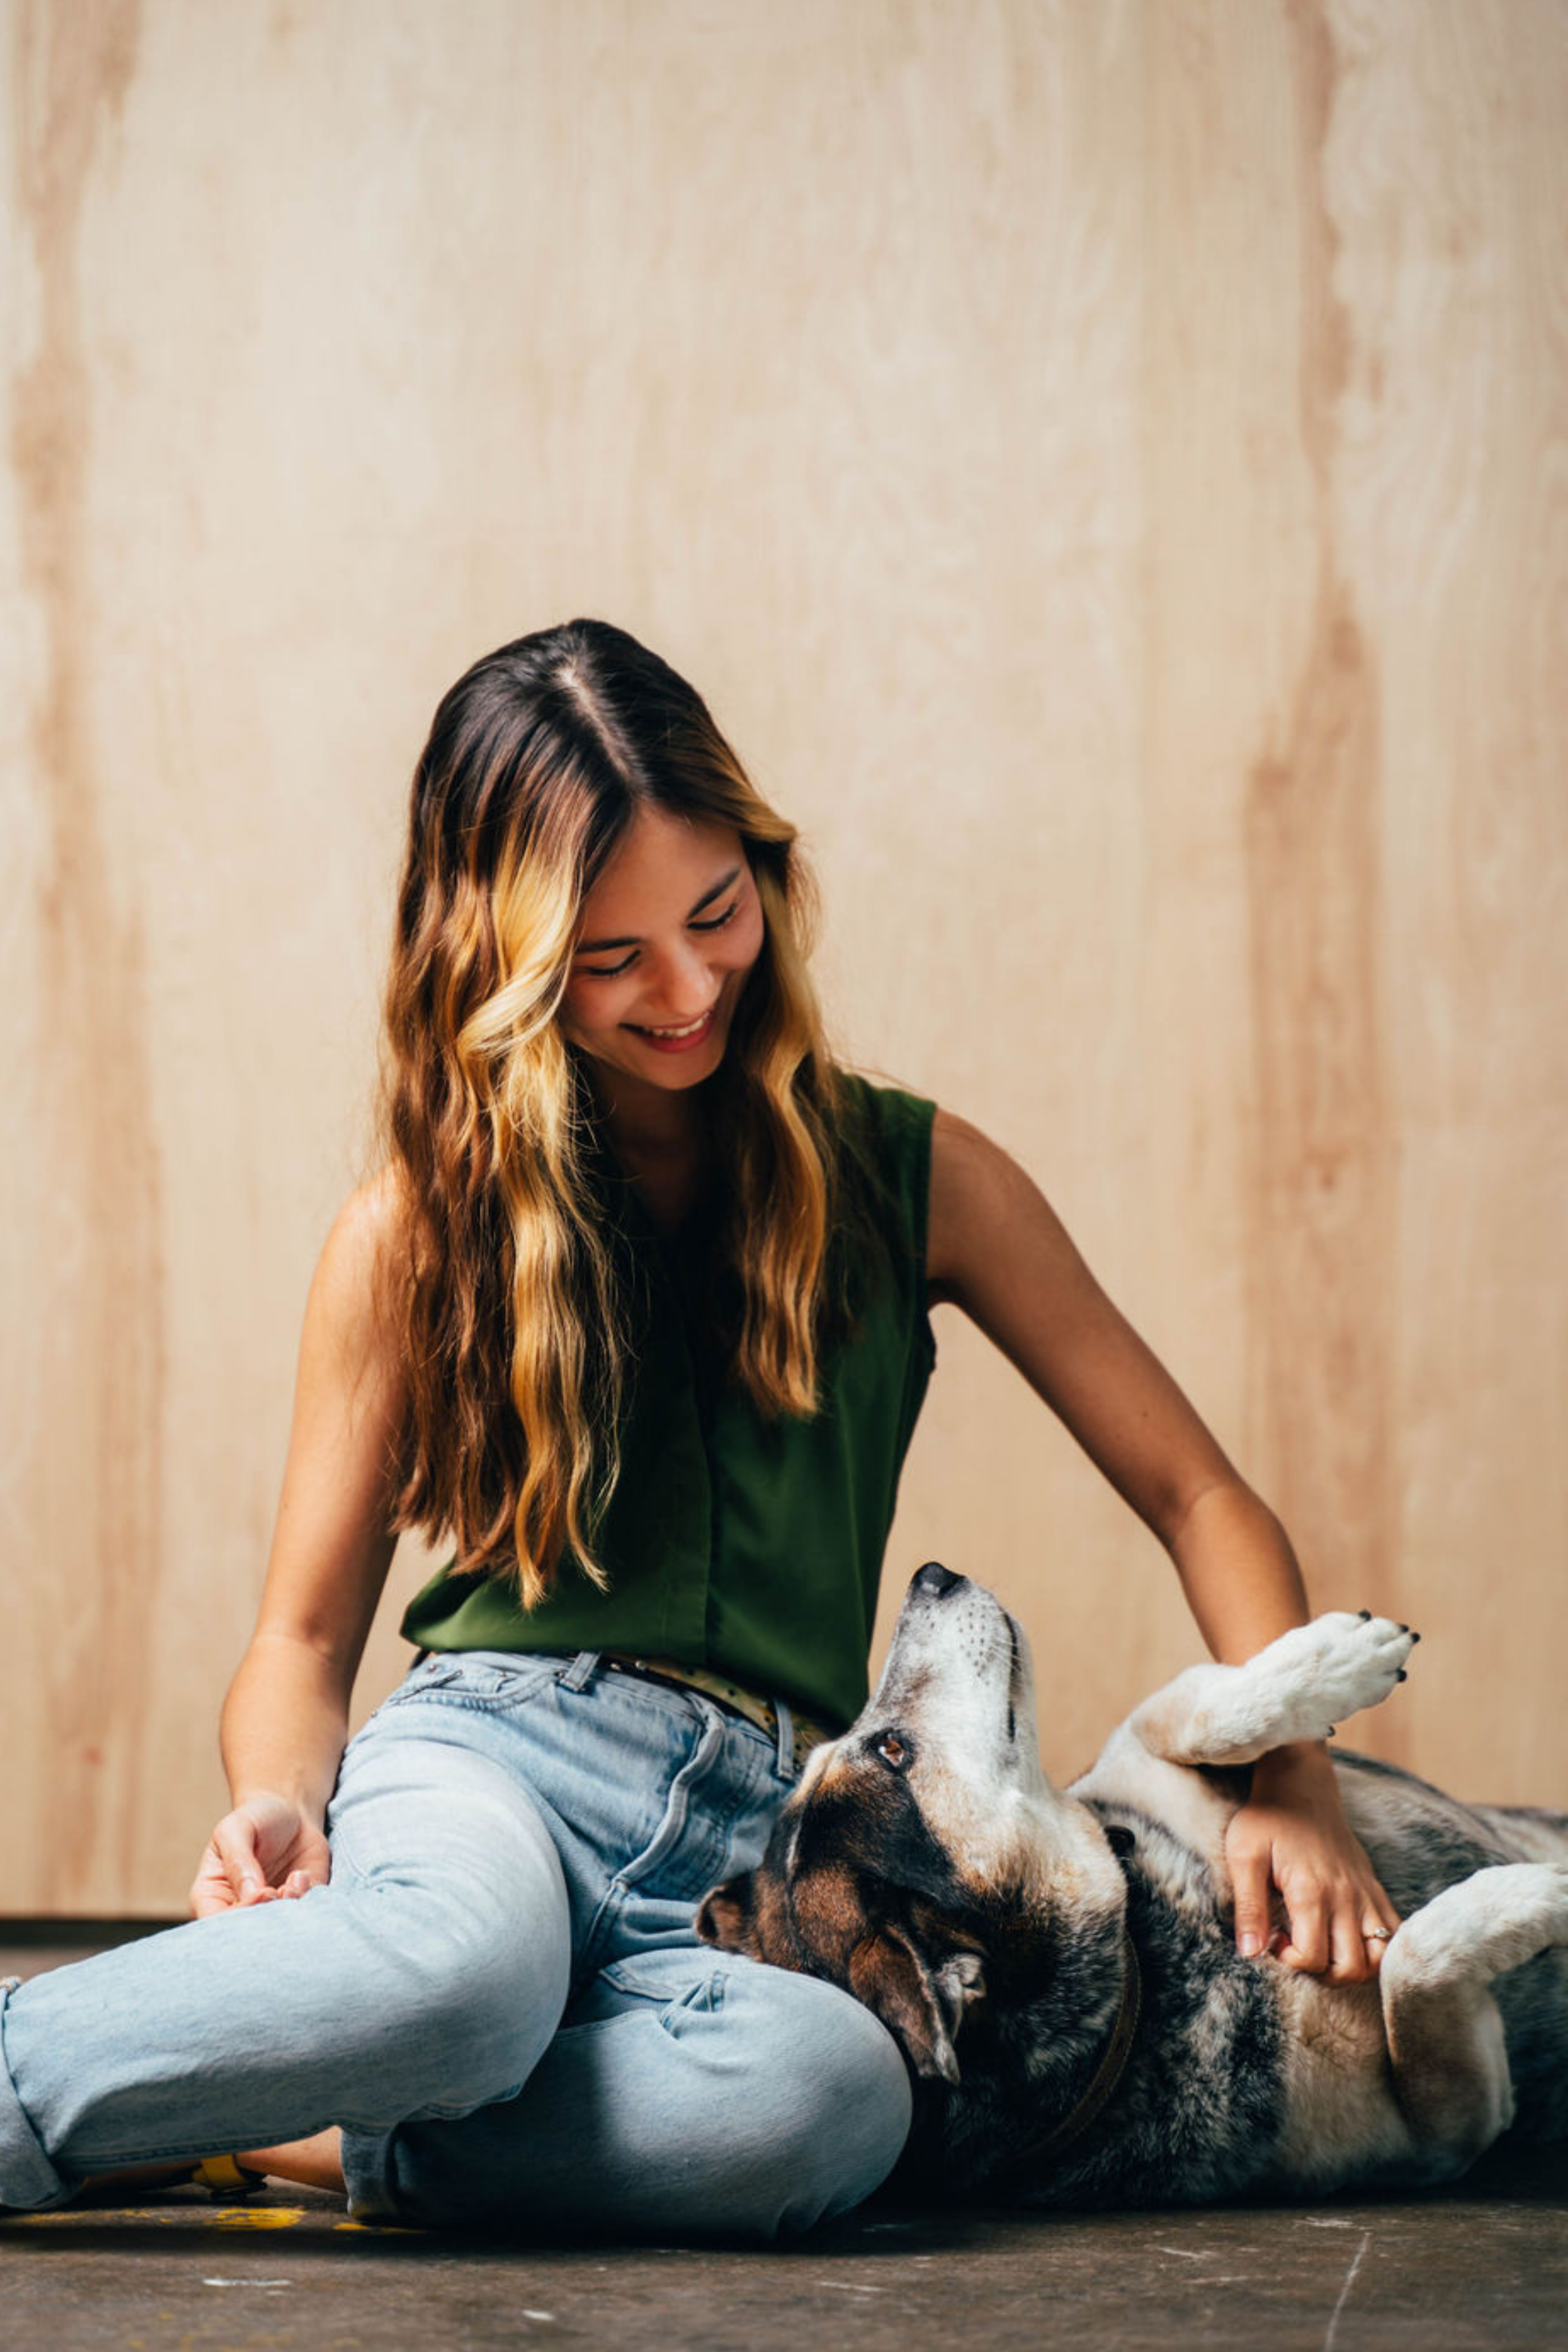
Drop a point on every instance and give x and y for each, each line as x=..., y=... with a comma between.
x=1321, y=1179
x=1105, y=463
x=92, y=1349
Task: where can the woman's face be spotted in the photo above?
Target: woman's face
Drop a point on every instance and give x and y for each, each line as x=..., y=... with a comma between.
x=668, y=933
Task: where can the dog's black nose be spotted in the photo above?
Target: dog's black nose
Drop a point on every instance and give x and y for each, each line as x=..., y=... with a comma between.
x=935, y=1579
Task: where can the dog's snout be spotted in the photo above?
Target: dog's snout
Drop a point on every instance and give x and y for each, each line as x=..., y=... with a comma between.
x=935, y=1579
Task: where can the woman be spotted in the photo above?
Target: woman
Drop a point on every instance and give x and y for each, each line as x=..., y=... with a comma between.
x=636, y=1308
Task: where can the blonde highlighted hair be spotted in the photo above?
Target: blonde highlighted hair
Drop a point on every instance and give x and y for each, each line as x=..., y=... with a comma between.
x=506, y=1306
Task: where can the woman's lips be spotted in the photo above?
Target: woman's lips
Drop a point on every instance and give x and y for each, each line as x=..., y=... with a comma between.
x=683, y=1041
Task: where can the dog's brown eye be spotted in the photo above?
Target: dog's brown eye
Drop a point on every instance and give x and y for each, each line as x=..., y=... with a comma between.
x=891, y=1750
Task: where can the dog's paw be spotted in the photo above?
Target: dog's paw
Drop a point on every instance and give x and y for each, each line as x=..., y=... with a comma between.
x=1487, y=1924
x=1334, y=1667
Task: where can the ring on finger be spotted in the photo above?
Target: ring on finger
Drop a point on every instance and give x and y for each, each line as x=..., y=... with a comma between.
x=1377, y=1935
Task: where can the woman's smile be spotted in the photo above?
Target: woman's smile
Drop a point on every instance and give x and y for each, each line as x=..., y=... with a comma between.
x=677, y=1041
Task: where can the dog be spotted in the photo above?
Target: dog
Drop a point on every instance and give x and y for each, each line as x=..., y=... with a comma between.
x=1060, y=1968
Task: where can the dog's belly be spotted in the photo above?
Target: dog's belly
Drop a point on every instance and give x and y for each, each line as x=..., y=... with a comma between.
x=1330, y=2115
x=1341, y=2120
x=1250, y=2076
x=1337, y=2119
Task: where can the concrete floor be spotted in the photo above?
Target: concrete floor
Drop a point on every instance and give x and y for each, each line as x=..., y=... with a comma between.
x=1482, y=2265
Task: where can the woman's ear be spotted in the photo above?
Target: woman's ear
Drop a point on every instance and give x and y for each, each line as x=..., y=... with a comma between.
x=724, y=1918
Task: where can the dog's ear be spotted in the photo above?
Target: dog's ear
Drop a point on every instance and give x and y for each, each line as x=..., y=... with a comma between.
x=961, y=1981
x=920, y=2009
x=725, y=1916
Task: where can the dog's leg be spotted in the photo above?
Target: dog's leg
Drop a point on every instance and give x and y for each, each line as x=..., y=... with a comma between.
x=1301, y=1687
x=1445, y=2030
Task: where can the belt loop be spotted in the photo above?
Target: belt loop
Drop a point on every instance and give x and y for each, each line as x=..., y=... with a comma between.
x=787, y=1739
x=577, y=1673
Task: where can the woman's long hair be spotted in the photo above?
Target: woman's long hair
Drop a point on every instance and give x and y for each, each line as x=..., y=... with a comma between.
x=508, y=1311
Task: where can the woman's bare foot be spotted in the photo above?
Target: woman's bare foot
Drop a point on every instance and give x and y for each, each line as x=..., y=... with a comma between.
x=316, y=2161
x=141, y=2176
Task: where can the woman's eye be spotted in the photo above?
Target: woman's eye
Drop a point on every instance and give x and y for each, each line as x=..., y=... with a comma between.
x=612, y=971
x=891, y=1750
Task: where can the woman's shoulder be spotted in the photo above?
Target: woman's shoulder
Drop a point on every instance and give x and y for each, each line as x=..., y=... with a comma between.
x=884, y=1115
x=938, y=1146
x=884, y=1131
x=373, y=1219
x=352, y=1308
x=365, y=1246
x=983, y=1203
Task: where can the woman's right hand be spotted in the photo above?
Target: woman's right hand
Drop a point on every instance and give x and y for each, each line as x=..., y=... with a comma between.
x=264, y=1850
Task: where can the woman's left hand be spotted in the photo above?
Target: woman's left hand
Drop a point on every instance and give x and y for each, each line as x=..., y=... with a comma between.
x=1292, y=1835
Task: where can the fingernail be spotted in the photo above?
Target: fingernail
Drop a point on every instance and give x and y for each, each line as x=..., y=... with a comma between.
x=249, y=1882
x=1251, y=1945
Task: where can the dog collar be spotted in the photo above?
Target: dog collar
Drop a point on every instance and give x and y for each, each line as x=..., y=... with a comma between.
x=1107, y=2075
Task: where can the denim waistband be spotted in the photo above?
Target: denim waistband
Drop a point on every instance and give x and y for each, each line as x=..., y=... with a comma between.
x=793, y=1738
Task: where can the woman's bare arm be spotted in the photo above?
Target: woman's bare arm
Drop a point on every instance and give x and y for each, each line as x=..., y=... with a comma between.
x=996, y=1248
x=285, y=1719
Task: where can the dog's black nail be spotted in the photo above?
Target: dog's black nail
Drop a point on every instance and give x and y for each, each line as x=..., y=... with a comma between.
x=1415, y=1637
x=1400, y=1675
x=1366, y=1616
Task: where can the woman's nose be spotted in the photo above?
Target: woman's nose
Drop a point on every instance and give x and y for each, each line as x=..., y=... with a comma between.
x=683, y=985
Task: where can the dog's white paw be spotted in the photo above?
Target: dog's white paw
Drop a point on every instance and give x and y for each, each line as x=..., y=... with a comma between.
x=1332, y=1668
x=1489, y=1923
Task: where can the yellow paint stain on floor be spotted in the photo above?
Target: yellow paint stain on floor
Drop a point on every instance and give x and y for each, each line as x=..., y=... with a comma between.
x=268, y=2217
x=224, y=2217
x=61, y=2217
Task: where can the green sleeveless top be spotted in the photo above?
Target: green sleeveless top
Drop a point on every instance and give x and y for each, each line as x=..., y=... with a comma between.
x=750, y=1546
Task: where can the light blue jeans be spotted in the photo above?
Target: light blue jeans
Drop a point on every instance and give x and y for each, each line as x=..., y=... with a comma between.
x=499, y=1995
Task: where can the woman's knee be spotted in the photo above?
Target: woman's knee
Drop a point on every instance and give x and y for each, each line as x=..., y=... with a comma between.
x=470, y=1951
x=797, y=2106
x=839, y=2093
x=480, y=2004
x=739, y=2103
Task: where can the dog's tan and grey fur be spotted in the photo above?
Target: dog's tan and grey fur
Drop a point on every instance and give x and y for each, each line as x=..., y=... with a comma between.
x=926, y=1863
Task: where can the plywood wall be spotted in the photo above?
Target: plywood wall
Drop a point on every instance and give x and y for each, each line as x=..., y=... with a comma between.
x=1105, y=464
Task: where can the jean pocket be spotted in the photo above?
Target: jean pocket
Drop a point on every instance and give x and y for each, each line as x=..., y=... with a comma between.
x=480, y=1679
x=675, y=1986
